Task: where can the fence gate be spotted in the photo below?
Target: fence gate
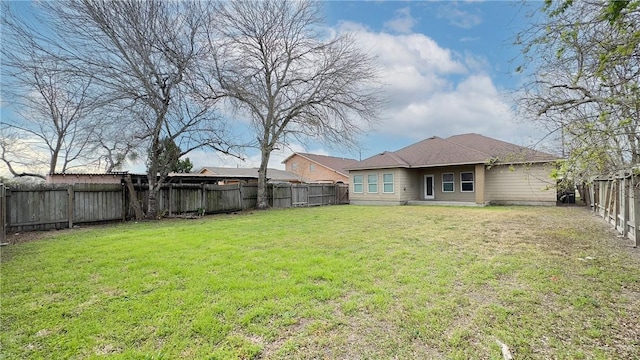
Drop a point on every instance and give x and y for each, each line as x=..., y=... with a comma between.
x=343, y=194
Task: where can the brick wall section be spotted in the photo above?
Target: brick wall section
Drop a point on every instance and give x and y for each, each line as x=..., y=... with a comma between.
x=312, y=171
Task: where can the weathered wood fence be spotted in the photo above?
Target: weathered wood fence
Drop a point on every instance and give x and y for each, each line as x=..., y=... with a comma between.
x=55, y=207
x=617, y=199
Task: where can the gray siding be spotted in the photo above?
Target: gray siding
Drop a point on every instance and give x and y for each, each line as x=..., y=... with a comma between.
x=409, y=185
x=457, y=194
x=404, y=187
x=520, y=184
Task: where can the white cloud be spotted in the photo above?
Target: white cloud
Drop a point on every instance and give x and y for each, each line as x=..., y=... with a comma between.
x=457, y=17
x=415, y=50
x=433, y=90
x=402, y=22
x=473, y=106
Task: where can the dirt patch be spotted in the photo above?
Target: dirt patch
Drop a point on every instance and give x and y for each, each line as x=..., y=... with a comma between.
x=28, y=236
x=23, y=237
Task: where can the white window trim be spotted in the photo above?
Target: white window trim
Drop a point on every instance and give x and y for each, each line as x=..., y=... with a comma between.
x=433, y=184
x=368, y=188
x=452, y=182
x=473, y=182
x=386, y=183
x=361, y=184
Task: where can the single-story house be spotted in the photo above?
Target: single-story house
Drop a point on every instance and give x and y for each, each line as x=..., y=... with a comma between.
x=461, y=169
x=319, y=168
x=249, y=175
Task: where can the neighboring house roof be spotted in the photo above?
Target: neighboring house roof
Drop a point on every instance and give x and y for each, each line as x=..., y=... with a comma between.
x=455, y=150
x=336, y=164
x=251, y=173
x=113, y=177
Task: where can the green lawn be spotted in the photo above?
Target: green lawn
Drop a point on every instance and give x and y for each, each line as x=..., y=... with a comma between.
x=332, y=282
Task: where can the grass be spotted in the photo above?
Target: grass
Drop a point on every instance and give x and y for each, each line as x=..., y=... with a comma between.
x=331, y=282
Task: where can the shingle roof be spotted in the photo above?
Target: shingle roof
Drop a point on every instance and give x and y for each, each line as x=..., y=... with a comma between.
x=334, y=163
x=455, y=150
x=240, y=173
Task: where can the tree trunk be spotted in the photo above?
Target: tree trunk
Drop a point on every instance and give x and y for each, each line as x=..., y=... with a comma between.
x=152, y=203
x=152, y=177
x=263, y=199
x=133, y=198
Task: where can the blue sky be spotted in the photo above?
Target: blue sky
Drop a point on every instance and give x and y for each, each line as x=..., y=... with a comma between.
x=447, y=69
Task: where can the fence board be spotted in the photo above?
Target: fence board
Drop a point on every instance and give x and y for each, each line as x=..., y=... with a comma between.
x=36, y=208
x=55, y=206
x=300, y=195
x=343, y=194
x=281, y=195
x=3, y=213
x=315, y=195
x=616, y=200
x=249, y=196
x=222, y=198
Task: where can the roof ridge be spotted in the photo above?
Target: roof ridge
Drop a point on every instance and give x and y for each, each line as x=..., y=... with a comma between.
x=421, y=141
x=397, y=157
x=466, y=146
x=329, y=156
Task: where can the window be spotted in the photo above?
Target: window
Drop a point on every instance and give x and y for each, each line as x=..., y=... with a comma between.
x=448, y=182
x=294, y=166
x=372, y=182
x=357, y=184
x=466, y=181
x=387, y=183
x=312, y=167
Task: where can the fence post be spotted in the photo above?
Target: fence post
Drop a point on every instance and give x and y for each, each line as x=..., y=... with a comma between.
x=241, y=199
x=3, y=214
x=70, y=207
x=636, y=213
x=607, y=199
x=203, y=197
x=624, y=202
x=170, y=199
x=614, y=201
x=291, y=195
x=595, y=193
x=124, y=202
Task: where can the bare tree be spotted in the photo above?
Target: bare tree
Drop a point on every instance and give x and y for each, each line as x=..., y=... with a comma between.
x=117, y=146
x=143, y=55
x=12, y=153
x=585, y=71
x=51, y=107
x=292, y=81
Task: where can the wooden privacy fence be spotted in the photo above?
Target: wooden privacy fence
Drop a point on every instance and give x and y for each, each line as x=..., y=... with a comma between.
x=617, y=200
x=55, y=207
